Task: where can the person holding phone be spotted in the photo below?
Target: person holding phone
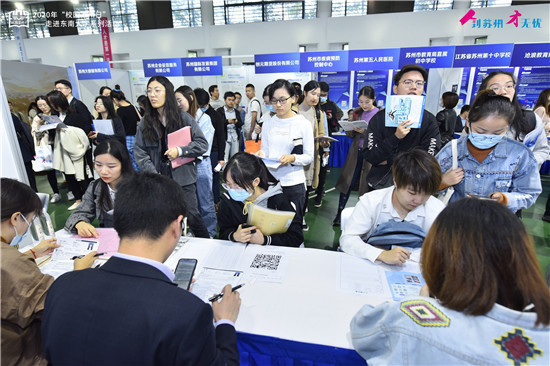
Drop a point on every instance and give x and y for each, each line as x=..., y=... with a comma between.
x=112, y=163
x=491, y=165
x=139, y=315
x=249, y=182
x=485, y=301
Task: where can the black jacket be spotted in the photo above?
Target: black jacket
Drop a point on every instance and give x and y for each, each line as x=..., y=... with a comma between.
x=83, y=118
x=24, y=137
x=337, y=115
x=218, y=143
x=238, y=125
x=446, y=120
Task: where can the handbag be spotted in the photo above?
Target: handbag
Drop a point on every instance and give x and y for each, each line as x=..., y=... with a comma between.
x=44, y=159
x=446, y=197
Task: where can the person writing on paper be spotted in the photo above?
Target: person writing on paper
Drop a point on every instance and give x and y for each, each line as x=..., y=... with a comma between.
x=490, y=165
x=151, y=151
x=23, y=286
x=408, y=206
x=485, y=301
x=248, y=182
x=112, y=163
x=106, y=110
x=288, y=138
x=140, y=316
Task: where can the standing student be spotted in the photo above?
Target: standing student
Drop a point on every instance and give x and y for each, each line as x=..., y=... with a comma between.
x=130, y=117
x=249, y=182
x=355, y=166
x=288, y=139
x=447, y=117
x=384, y=143
x=238, y=107
x=461, y=118
x=408, y=205
x=526, y=126
x=163, y=117
x=112, y=163
x=26, y=147
x=485, y=301
x=215, y=100
x=253, y=112
x=105, y=91
x=106, y=110
x=189, y=102
x=270, y=113
x=232, y=123
x=491, y=165
x=333, y=112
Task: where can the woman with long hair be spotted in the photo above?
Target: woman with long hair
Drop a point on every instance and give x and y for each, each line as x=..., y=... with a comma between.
x=485, y=299
x=151, y=151
x=130, y=117
x=106, y=110
x=112, y=163
x=355, y=166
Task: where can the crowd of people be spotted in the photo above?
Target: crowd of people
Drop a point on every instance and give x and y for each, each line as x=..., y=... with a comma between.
x=477, y=259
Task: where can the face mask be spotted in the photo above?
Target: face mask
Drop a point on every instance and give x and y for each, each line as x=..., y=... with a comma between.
x=484, y=141
x=204, y=109
x=19, y=238
x=323, y=99
x=270, y=108
x=239, y=195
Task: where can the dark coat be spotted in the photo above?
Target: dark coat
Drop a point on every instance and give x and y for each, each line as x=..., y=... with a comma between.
x=220, y=132
x=24, y=137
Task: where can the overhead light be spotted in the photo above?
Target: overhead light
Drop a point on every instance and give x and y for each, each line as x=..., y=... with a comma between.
x=75, y=1
x=19, y=6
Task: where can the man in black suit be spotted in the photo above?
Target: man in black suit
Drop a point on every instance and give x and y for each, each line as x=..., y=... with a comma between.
x=129, y=311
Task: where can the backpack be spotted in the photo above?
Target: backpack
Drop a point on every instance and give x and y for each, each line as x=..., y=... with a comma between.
x=402, y=233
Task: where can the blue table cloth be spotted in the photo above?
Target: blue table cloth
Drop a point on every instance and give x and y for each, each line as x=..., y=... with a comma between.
x=339, y=150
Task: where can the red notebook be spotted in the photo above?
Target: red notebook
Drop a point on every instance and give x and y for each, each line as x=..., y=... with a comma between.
x=181, y=137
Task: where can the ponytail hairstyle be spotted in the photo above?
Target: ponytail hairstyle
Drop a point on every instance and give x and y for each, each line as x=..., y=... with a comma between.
x=487, y=104
x=188, y=94
x=311, y=85
x=151, y=119
x=118, y=94
x=244, y=168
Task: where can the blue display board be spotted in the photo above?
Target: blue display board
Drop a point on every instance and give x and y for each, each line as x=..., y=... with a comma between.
x=324, y=61
x=533, y=54
x=531, y=81
x=377, y=79
x=480, y=74
x=428, y=57
x=339, y=87
x=201, y=66
x=463, y=94
x=162, y=66
x=382, y=59
x=277, y=62
x=483, y=55
x=92, y=70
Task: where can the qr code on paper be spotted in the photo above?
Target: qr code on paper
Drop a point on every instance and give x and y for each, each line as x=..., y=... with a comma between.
x=266, y=261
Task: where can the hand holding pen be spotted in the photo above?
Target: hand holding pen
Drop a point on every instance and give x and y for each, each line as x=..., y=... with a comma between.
x=85, y=261
x=82, y=256
x=228, y=307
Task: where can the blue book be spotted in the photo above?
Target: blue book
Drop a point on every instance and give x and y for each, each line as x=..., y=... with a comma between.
x=400, y=108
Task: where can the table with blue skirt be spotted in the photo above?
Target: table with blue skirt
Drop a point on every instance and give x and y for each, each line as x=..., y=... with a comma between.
x=339, y=150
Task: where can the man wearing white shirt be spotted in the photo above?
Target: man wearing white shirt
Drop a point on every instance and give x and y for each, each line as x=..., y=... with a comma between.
x=253, y=112
x=416, y=176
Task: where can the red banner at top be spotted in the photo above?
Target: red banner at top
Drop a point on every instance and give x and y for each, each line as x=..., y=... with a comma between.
x=106, y=39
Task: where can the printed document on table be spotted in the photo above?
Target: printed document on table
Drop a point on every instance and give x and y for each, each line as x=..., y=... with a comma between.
x=57, y=268
x=210, y=282
x=225, y=256
x=359, y=276
x=267, y=264
x=71, y=247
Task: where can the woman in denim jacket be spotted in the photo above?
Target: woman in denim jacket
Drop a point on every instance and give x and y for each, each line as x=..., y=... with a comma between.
x=489, y=303
x=491, y=165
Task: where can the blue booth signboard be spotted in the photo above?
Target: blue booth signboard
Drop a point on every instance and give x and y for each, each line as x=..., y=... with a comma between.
x=92, y=70
x=483, y=55
x=428, y=57
x=277, y=62
x=200, y=66
x=162, y=66
x=324, y=61
x=532, y=54
x=382, y=59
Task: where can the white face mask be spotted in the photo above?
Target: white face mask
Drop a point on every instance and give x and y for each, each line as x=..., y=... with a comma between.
x=19, y=238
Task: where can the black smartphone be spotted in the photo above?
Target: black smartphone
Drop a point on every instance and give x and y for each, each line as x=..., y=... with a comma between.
x=244, y=226
x=184, y=272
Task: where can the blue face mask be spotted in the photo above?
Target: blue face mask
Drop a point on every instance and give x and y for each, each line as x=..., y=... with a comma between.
x=204, y=109
x=270, y=108
x=323, y=99
x=239, y=194
x=19, y=238
x=482, y=141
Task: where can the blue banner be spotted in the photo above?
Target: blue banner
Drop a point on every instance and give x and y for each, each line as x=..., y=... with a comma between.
x=463, y=94
x=533, y=54
x=277, y=62
x=377, y=79
x=92, y=70
x=382, y=59
x=199, y=66
x=428, y=57
x=162, y=66
x=531, y=81
x=324, y=61
x=339, y=87
x=483, y=55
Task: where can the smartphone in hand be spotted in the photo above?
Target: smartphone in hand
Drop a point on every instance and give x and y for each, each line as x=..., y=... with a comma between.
x=244, y=226
x=184, y=272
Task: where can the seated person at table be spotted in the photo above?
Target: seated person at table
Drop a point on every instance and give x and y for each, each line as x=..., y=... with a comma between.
x=485, y=301
x=112, y=162
x=409, y=205
x=129, y=311
x=24, y=287
x=249, y=182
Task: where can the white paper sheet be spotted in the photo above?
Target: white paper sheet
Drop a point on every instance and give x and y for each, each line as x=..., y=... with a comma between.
x=358, y=276
x=211, y=281
x=71, y=247
x=57, y=268
x=104, y=126
x=225, y=256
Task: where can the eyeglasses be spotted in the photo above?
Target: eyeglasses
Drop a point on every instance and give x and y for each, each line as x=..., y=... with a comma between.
x=98, y=103
x=508, y=87
x=408, y=83
x=281, y=101
x=157, y=91
x=227, y=187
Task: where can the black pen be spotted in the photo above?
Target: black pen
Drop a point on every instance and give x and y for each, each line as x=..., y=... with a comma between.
x=82, y=256
x=220, y=295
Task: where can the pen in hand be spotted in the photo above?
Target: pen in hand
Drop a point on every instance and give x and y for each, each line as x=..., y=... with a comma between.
x=82, y=256
x=220, y=295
